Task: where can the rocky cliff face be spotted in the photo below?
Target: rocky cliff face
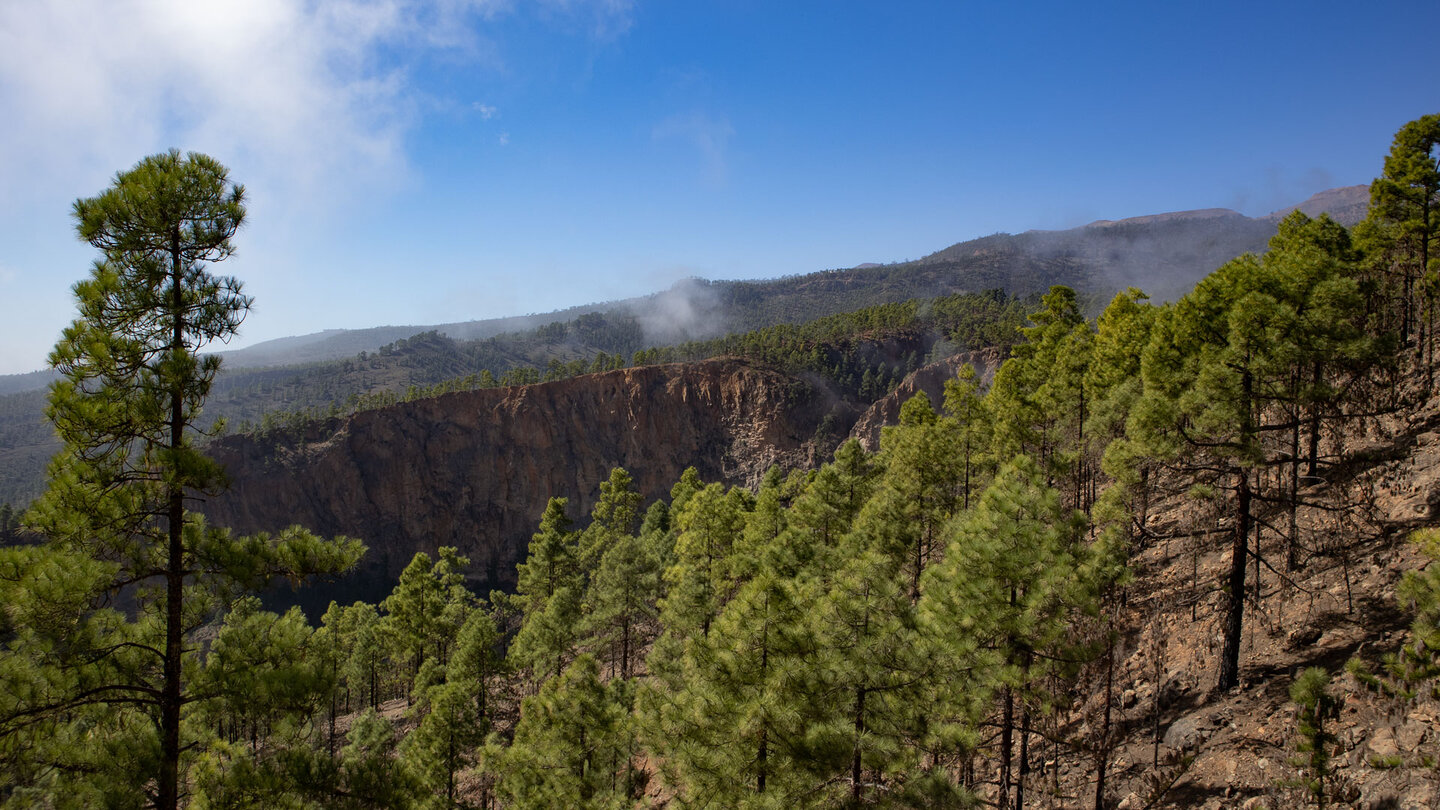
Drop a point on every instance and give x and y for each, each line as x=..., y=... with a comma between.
x=475, y=469
x=930, y=380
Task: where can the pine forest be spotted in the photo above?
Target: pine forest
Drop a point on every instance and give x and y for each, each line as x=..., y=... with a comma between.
x=976, y=615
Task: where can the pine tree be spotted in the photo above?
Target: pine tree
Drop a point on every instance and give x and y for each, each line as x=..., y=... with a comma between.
x=622, y=602
x=874, y=714
x=824, y=512
x=267, y=684
x=1402, y=230
x=1034, y=391
x=731, y=733
x=967, y=407
x=366, y=667
x=918, y=491
x=368, y=774
x=457, y=713
x=552, y=561
x=1010, y=580
x=613, y=517
x=1233, y=364
x=551, y=590
x=1113, y=377
x=1408, y=672
x=127, y=409
x=704, y=575
x=428, y=606
x=1310, y=693
x=570, y=748
x=548, y=639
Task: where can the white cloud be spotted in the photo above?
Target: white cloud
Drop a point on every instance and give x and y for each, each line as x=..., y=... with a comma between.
x=504, y=139
x=302, y=95
x=710, y=136
x=486, y=111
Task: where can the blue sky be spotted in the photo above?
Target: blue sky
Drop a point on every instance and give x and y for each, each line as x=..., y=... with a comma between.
x=424, y=162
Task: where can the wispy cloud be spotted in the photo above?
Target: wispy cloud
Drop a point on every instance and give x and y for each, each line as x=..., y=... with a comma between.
x=309, y=98
x=708, y=135
x=486, y=111
x=605, y=19
x=1278, y=188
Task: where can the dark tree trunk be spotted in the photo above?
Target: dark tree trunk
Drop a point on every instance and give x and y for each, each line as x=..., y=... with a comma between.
x=1007, y=722
x=1024, y=758
x=168, y=789
x=1235, y=607
x=1314, y=451
x=855, y=764
x=1292, y=505
x=1102, y=751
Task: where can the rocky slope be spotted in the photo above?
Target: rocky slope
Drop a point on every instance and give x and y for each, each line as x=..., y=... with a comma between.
x=475, y=469
x=930, y=380
x=1183, y=744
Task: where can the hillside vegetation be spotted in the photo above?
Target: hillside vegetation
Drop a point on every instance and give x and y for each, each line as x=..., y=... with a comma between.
x=297, y=378
x=1096, y=584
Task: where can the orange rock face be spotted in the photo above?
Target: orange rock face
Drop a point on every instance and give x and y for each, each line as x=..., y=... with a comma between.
x=475, y=469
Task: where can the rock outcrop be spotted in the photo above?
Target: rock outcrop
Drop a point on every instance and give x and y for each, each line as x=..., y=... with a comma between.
x=929, y=379
x=475, y=469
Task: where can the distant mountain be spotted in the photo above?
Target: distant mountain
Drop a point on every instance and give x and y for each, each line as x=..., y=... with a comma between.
x=1163, y=254
x=334, y=344
x=29, y=381
x=1347, y=205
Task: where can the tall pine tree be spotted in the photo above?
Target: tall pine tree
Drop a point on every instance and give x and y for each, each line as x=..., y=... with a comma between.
x=127, y=408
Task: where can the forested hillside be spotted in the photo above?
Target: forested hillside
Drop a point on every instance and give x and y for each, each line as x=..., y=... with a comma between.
x=331, y=373
x=852, y=352
x=1177, y=555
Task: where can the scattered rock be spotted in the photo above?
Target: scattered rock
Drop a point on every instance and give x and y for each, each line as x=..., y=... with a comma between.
x=1304, y=637
x=1409, y=736
x=1383, y=745
x=1171, y=692
x=1185, y=733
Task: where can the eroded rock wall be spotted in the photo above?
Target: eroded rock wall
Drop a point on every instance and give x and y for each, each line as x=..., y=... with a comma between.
x=475, y=469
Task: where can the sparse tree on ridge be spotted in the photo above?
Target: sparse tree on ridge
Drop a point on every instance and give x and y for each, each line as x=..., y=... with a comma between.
x=1230, y=369
x=1401, y=234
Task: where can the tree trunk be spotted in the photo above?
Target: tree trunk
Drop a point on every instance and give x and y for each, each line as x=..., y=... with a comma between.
x=1007, y=721
x=1102, y=751
x=168, y=789
x=1024, y=758
x=855, y=764
x=1292, y=499
x=625, y=648
x=1314, y=452
x=1235, y=607
x=763, y=755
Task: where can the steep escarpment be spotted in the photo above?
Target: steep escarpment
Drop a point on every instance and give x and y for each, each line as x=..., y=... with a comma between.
x=929, y=380
x=475, y=469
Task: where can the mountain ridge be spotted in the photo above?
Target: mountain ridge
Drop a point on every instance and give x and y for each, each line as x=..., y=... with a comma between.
x=1347, y=204
x=1343, y=203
